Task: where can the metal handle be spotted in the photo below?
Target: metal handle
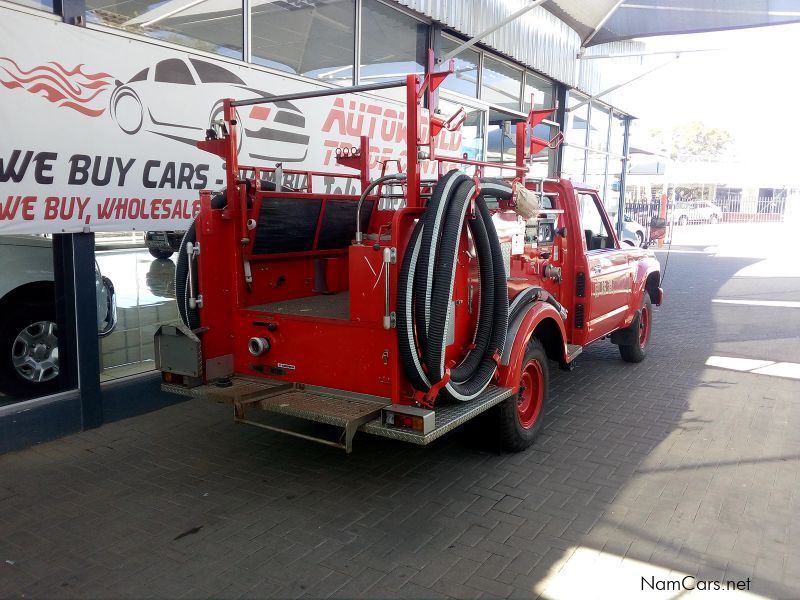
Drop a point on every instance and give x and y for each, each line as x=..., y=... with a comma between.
x=195, y=300
x=389, y=258
x=394, y=177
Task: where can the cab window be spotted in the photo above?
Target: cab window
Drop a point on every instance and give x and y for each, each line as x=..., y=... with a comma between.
x=594, y=227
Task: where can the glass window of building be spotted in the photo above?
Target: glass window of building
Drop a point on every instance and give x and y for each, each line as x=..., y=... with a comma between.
x=465, y=79
x=598, y=127
x=541, y=90
x=30, y=340
x=41, y=4
x=472, y=131
x=393, y=44
x=577, y=120
x=596, y=171
x=314, y=38
x=573, y=163
x=501, y=138
x=501, y=84
x=209, y=26
x=144, y=281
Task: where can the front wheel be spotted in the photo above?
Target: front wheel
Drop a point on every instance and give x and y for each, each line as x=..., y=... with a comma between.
x=520, y=417
x=29, y=351
x=636, y=351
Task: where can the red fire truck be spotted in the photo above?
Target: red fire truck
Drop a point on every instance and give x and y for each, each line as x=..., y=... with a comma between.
x=409, y=308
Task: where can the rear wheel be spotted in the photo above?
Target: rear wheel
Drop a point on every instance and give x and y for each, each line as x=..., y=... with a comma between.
x=160, y=254
x=636, y=352
x=520, y=417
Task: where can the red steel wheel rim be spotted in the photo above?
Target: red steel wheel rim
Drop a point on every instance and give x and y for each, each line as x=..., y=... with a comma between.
x=644, y=327
x=531, y=394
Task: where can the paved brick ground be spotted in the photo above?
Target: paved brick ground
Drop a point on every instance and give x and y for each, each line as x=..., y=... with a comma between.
x=667, y=466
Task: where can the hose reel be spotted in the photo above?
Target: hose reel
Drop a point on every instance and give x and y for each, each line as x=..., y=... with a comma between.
x=425, y=289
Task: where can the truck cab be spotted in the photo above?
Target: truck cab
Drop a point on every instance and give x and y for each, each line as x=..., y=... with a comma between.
x=610, y=277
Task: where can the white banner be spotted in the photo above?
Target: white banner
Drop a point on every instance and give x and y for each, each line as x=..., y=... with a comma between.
x=99, y=130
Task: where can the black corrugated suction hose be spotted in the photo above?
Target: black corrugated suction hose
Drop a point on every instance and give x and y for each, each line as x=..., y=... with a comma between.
x=425, y=289
x=191, y=316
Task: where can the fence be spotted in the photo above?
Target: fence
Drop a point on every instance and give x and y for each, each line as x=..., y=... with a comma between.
x=731, y=209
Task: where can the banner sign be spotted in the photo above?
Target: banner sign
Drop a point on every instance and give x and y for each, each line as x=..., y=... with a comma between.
x=99, y=130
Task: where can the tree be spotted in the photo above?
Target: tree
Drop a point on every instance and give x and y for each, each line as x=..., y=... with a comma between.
x=695, y=141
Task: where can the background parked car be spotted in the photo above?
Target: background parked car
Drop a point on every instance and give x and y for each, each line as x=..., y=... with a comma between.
x=28, y=330
x=162, y=244
x=695, y=212
x=632, y=231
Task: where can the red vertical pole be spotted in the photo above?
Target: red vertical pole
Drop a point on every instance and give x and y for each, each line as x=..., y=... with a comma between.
x=521, y=127
x=412, y=141
x=363, y=161
x=232, y=157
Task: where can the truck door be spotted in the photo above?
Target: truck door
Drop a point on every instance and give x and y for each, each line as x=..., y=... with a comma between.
x=609, y=271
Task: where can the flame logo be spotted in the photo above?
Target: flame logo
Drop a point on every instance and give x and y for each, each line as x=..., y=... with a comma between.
x=73, y=89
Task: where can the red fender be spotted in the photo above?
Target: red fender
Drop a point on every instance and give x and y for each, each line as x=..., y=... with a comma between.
x=646, y=265
x=509, y=370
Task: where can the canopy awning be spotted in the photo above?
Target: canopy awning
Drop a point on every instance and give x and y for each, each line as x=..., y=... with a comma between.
x=602, y=21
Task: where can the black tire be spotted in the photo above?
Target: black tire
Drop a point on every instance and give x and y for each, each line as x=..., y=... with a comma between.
x=160, y=254
x=635, y=353
x=514, y=434
x=17, y=319
x=190, y=317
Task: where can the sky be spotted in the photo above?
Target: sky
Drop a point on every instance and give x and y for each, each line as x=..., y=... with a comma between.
x=750, y=86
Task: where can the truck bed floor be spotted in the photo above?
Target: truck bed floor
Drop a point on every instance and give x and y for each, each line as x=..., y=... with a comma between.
x=326, y=306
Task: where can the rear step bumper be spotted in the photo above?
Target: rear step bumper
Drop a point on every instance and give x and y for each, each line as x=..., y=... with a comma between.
x=448, y=417
x=351, y=412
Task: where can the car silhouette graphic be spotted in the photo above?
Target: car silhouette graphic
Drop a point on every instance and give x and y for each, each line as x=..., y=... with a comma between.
x=178, y=98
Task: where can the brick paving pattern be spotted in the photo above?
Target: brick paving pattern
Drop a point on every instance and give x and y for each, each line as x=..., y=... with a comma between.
x=669, y=463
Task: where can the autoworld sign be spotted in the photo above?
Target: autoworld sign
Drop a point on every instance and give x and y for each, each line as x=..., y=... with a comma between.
x=100, y=130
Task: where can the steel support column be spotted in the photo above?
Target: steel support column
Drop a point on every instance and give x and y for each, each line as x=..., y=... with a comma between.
x=71, y=11
x=622, y=176
x=87, y=342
